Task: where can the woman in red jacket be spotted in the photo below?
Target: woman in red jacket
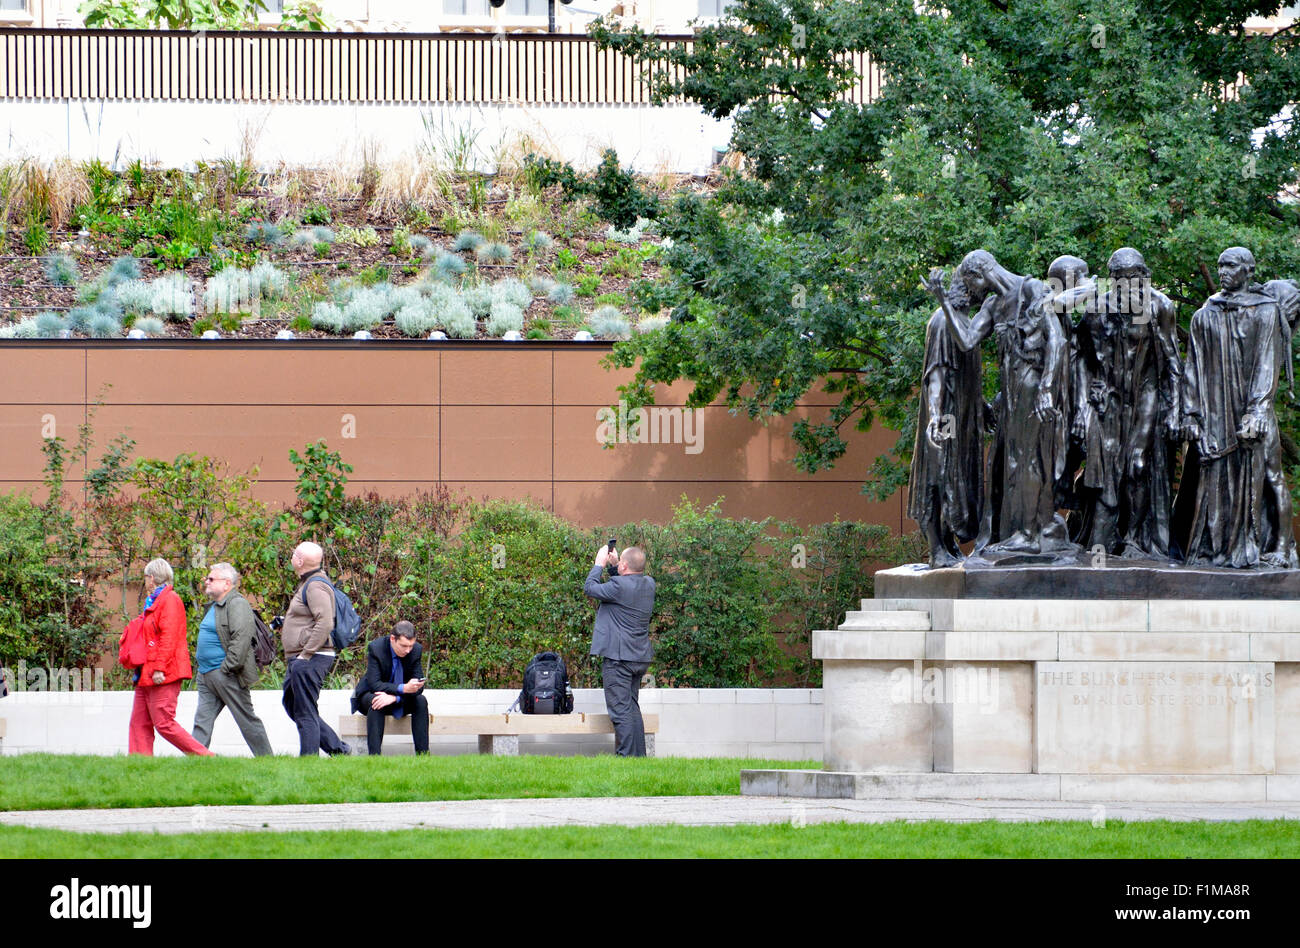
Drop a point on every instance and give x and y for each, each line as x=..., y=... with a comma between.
x=158, y=680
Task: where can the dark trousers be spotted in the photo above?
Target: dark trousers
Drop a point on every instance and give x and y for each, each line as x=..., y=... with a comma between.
x=622, y=681
x=415, y=706
x=301, y=693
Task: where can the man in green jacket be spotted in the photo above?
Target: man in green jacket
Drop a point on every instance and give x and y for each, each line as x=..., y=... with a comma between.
x=226, y=666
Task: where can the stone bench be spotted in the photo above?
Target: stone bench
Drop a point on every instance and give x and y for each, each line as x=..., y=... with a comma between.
x=499, y=733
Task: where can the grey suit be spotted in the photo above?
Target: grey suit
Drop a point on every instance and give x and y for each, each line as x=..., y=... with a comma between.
x=622, y=639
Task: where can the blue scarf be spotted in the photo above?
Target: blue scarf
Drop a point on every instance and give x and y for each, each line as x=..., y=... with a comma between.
x=157, y=591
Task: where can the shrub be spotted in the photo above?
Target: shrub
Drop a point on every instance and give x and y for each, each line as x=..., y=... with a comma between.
x=467, y=240
x=416, y=319
x=540, y=285
x=105, y=327
x=150, y=326
x=608, y=322
x=322, y=235
x=135, y=296
x=123, y=269
x=494, y=253
x=422, y=245
x=633, y=235
x=651, y=323
x=565, y=259
x=514, y=291
x=627, y=262
x=327, y=316
x=316, y=214
x=460, y=323
x=448, y=267
x=478, y=298
x=614, y=192
x=538, y=240
x=303, y=237
x=504, y=317
x=449, y=309
x=50, y=325
x=263, y=234
x=60, y=269
x=588, y=285
x=359, y=236
x=400, y=246
x=560, y=293
x=171, y=296
x=269, y=280
x=229, y=291
x=79, y=318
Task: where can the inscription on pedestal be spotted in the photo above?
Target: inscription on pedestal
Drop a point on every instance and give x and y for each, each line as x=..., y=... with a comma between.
x=1154, y=717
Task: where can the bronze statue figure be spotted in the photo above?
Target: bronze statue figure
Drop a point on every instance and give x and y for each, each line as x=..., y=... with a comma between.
x=946, y=491
x=1230, y=382
x=1028, y=454
x=1127, y=381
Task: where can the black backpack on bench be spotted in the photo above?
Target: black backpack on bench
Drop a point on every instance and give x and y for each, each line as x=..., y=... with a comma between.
x=546, y=686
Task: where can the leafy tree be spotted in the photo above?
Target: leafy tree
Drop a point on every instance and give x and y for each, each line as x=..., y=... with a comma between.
x=174, y=14
x=1032, y=130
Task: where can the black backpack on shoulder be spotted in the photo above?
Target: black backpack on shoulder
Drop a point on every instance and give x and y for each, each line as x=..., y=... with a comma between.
x=546, y=686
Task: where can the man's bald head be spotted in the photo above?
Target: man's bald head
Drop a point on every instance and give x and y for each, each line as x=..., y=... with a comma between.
x=308, y=556
x=633, y=559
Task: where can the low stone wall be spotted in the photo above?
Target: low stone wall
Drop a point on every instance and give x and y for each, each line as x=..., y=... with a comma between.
x=773, y=723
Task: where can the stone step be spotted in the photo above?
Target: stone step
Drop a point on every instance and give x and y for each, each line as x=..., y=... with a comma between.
x=892, y=605
x=897, y=621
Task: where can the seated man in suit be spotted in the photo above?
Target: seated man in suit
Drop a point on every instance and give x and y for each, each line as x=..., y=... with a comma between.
x=393, y=685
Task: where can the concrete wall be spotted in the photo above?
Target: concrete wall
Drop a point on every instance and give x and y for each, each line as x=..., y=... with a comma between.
x=773, y=723
x=490, y=419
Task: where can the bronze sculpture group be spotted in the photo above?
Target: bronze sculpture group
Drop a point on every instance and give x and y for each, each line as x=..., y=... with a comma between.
x=1096, y=404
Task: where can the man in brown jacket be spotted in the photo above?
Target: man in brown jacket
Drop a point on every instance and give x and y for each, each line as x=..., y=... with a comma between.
x=309, y=652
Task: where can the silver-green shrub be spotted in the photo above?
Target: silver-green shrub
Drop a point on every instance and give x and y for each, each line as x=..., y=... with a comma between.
x=609, y=322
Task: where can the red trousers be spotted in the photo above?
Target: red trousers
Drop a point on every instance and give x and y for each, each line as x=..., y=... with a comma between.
x=155, y=708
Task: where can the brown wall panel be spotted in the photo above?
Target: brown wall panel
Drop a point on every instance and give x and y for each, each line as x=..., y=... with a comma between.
x=488, y=420
x=398, y=444
x=716, y=445
x=223, y=376
x=600, y=502
x=22, y=428
x=508, y=378
x=539, y=491
x=59, y=377
x=580, y=379
x=496, y=443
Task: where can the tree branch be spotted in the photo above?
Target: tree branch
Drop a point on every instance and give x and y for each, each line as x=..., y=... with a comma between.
x=1209, y=280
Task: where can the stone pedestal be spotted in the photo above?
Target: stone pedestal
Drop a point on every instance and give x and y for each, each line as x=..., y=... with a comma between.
x=1059, y=699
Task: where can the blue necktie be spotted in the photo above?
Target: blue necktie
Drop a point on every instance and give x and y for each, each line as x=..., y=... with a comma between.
x=397, y=677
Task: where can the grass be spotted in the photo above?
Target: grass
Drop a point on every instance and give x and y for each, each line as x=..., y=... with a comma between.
x=1161, y=839
x=57, y=781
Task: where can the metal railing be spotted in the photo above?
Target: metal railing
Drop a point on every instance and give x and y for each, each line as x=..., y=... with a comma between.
x=333, y=67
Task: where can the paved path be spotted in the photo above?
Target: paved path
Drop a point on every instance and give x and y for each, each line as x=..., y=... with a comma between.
x=619, y=811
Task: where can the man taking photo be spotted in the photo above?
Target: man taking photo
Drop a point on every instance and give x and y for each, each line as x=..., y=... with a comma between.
x=622, y=639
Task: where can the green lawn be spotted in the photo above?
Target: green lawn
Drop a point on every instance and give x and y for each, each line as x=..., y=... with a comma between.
x=1250, y=839
x=57, y=781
